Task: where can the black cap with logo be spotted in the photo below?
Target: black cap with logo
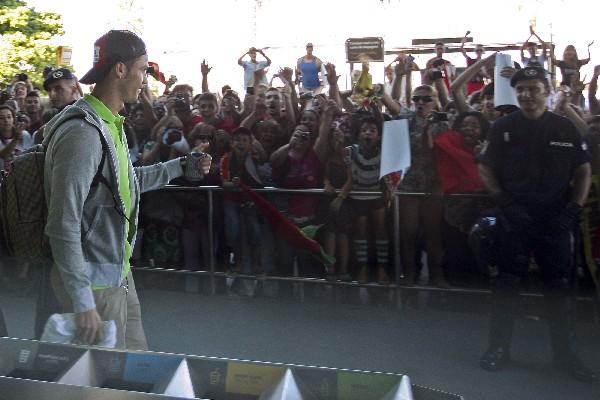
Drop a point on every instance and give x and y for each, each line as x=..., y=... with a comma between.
x=56, y=75
x=528, y=73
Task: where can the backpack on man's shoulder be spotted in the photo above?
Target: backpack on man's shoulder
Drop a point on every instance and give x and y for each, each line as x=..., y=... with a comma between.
x=23, y=208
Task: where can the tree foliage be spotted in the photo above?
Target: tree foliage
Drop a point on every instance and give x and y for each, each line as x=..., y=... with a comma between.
x=25, y=40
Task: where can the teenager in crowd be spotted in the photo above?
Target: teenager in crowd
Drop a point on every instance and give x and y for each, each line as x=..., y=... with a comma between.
x=250, y=67
x=368, y=210
x=476, y=82
x=533, y=59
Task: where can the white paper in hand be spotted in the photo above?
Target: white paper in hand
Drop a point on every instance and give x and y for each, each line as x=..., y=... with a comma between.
x=504, y=94
x=61, y=328
x=395, y=147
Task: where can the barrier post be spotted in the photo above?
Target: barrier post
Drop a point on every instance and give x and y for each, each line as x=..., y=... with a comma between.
x=211, y=242
x=397, y=263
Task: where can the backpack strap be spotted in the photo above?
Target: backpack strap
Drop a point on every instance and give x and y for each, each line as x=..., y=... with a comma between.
x=99, y=177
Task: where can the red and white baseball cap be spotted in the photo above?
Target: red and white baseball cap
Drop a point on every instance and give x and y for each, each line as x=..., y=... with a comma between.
x=112, y=47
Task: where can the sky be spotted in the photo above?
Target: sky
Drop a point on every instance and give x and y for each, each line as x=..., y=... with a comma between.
x=179, y=34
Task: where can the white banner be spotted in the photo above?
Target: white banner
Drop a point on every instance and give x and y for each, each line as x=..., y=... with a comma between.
x=504, y=94
x=395, y=147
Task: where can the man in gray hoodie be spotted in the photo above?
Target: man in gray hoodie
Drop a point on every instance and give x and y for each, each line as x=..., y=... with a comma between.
x=93, y=192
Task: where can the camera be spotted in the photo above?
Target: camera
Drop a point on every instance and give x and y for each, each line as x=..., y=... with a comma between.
x=180, y=101
x=378, y=90
x=172, y=135
x=408, y=62
x=22, y=118
x=436, y=75
x=307, y=95
x=438, y=63
x=439, y=117
x=159, y=111
x=47, y=70
x=22, y=77
x=4, y=95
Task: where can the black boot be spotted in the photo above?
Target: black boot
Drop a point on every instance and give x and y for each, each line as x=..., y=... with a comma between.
x=494, y=359
x=502, y=320
x=572, y=365
x=561, y=319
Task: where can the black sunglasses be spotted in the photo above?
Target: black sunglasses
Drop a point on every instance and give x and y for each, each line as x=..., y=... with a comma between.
x=424, y=99
x=303, y=135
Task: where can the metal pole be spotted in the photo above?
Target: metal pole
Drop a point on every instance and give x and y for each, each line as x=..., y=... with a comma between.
x=211, y=243
x=397, y=264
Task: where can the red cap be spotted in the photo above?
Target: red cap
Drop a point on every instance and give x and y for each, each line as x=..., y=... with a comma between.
x=112, y=47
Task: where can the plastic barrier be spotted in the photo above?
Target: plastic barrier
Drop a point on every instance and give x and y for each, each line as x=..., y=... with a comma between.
x=30, y=370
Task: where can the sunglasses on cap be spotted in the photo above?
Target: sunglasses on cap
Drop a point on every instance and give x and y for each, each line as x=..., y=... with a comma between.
x=424, y=99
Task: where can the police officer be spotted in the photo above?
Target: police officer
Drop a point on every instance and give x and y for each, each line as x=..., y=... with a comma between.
x=531, y=158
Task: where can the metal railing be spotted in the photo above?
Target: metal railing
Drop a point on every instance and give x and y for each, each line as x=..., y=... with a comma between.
x=396, y=286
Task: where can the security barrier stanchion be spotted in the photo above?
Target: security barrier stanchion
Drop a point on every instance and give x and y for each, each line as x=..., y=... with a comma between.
x=396, y=238
x=211, y=242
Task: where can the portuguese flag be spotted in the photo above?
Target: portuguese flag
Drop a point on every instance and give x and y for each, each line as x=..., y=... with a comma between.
x=300, y=239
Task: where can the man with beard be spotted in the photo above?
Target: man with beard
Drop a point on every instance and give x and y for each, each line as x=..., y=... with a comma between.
x=93, y=195
x=62, y=88
x=268, y=107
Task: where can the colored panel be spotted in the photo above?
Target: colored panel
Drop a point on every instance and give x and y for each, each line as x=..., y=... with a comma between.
x=208, y=377
x=148, y=368
x=360, y=386
x=318, y=381
x=251, y=379
x=54, y=360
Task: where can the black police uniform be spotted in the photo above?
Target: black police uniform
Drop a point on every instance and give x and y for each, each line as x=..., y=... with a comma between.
x=534, y=162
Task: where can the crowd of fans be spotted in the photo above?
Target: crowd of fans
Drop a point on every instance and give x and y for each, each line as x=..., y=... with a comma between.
x=308, y=134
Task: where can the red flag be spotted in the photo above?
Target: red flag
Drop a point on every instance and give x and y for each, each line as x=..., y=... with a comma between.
x=156, y=74
x=456, y=164
x=282, y=227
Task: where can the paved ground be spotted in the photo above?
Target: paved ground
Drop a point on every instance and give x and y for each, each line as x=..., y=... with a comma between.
x=436, y=340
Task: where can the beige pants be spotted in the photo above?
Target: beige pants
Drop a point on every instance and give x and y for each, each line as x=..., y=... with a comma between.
x=120, y=304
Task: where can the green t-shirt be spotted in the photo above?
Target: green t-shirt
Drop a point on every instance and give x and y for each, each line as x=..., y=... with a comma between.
x=115, y=126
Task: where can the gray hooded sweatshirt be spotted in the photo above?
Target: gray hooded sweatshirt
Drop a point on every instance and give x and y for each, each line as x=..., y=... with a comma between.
x=86, y=232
